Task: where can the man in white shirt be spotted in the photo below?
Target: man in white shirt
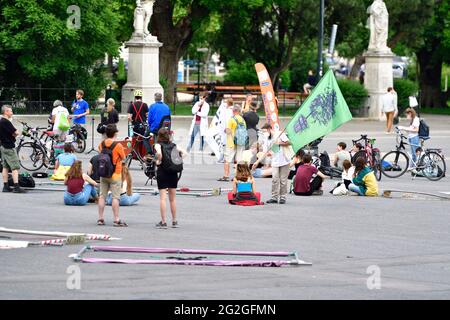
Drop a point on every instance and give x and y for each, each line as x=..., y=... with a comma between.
x=390, y=108
x=200, y=110
x=58, y=110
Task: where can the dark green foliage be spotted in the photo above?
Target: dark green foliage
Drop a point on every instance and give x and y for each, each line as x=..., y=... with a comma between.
x=354, y=93
x=404, y=89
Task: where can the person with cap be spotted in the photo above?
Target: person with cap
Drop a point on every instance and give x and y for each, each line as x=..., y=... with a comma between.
x=58, y=113
x=199, y=124
x=138, y=113
x=251, y=120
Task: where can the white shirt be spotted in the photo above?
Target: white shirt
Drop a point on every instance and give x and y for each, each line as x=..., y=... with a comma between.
x=278, y=157
x=57, y=112
x=348, y=175
x=389, y=102
x=415, y=125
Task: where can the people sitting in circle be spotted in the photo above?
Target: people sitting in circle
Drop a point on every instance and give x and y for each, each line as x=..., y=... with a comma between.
x=341, y=155
x=347, y=177
x=308, y=180
x=364, y=182
x=63, y=162
x=80, y=187
x=244, y=192
x=127, y=197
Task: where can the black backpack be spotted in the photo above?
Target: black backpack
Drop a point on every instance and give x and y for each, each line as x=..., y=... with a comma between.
x=106, y=166
x=424, y=130
x=25, y=180
x=171, y=158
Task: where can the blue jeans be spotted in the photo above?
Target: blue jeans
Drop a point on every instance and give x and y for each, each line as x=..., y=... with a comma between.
x=80, y=198
x=414, y=143
x=195, y=131
x=354, y=188
x=125, y=200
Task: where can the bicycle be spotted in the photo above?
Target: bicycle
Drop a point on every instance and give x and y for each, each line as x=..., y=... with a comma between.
x=34, y=154
x=430, y=163
x=79, y=135
x=370, y=154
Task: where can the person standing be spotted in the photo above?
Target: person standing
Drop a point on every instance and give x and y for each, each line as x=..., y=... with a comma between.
x=58, y=113
x=113, y=183
x=413, y=132
x=167, y=179
x=200, y=110
x=108, y=116
x=138, y=113
x=80, y=108
x=226, y=112
x=389, y=108
x=251, y=121
x=233, y=151
x=247, y=103
x=10, y=160
x=127, y=197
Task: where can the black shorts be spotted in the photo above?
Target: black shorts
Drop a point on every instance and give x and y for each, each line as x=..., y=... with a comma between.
x=166, y=180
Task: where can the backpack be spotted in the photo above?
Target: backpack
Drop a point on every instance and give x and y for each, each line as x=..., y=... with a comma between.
x=106, y=166
x=241, y=135
x=424, y=130
x=25, y=180
x=63, y=123
x=171, y=159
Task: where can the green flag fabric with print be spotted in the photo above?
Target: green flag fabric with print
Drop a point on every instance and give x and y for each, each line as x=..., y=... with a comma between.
x=324, y=111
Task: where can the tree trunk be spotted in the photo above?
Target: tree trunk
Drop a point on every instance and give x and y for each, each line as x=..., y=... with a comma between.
x=430, y=70
x=168, y=68
x=359, y=61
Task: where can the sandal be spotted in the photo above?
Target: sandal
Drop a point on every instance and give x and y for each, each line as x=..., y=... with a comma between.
x=100, y=222
x=226, y=179
x=120, y=223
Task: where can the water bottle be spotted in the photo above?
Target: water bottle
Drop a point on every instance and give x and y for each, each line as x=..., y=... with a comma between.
x=130, y=129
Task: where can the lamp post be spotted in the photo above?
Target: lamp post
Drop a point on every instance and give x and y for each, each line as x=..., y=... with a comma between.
x=320, y=51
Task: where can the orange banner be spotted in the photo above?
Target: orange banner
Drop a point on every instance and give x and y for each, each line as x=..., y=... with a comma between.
x=268, y=96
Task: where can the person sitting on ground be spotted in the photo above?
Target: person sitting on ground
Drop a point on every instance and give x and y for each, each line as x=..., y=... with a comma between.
x=63, y=162
x=93, y=169
x=308, y=180
x=127, y=197
x=244, y=192
x=364, y=182
x=341, y=155
x=347, y=177
x=80, y=187
x=264, y=165
x=355, y=149
x=296, y=162
x=311, y=82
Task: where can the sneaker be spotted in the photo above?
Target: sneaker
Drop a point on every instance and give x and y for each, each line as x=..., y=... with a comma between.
x=282, y=201
x=161, y=225
x=7, y=189
x=18, y=190
x=317, y=193
x=271, y=201
x=175, y=224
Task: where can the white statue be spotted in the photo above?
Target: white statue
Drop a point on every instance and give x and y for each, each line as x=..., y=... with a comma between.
x=148, y=8
x=378, y=23
x=139, y=18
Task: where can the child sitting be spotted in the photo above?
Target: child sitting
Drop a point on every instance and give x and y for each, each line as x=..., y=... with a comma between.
x=244, y=193
x=364, y=182
x=63, y=162
x=347, y=177
x=308, y=180
x=341, y=155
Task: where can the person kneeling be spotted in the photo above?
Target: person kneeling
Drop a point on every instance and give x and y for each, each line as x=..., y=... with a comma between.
x=127, y=197
x=244, y=193
x=77, y=193
x=308, y=180
x=364, y=182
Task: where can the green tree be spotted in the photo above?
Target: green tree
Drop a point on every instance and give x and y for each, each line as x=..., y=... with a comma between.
x=37, y=46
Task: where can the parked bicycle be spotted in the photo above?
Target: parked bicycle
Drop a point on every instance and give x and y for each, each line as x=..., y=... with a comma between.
x=35, y=153
x=79, y=136
x=370, y=154
x=430, y=163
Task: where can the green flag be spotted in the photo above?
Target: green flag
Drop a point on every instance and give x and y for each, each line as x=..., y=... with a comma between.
x=323, y=112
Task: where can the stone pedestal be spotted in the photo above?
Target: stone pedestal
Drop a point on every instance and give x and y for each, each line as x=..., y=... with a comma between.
x=377, y=78
x=143, y=69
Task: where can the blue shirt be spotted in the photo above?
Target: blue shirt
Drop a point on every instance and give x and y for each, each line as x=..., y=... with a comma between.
x=243, y=186
x=158, y=110
x=66, y=159
x=81, y=106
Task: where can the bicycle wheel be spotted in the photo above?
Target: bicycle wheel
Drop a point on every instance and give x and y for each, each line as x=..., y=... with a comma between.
x=394, y=164
x=31, y=156
x=432, y=166
x=79, y=145
x=359, y=154
x=376, y=165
